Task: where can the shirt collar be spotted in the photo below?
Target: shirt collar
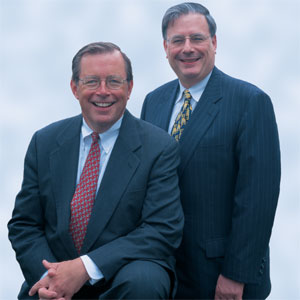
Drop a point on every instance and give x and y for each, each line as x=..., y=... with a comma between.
x=196, y=90
x=107, y=138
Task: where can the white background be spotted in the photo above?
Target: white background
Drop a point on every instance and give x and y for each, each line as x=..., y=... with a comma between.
x=258, y=41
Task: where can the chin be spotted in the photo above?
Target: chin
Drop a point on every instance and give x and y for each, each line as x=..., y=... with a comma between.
x=191, y=76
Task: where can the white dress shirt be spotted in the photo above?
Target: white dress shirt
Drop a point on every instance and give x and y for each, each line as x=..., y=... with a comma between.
x=196, y=92
x=106, y=141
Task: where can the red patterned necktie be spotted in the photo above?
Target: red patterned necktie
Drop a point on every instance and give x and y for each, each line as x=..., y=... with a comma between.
x=83, y=199
x=183, y=116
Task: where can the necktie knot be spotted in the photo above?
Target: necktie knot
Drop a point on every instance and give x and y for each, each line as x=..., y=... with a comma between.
x=95, y=137
x=187, y=94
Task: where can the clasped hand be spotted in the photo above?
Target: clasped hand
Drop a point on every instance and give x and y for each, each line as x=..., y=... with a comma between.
x=228, y=289
x=62, y=281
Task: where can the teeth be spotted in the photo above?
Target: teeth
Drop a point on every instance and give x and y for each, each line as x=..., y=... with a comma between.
x=103, y=104
x=190, y=60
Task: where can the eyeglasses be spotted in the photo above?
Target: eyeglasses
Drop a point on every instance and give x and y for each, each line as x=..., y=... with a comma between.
x=111, y=82
x=179, y=40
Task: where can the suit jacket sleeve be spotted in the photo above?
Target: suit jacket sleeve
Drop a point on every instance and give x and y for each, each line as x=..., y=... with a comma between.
x=26, y=228
x=143, y=111
x=160, y=228
x=256, y=191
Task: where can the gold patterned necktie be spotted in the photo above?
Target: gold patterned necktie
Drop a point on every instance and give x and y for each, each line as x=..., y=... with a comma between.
x=183, y=116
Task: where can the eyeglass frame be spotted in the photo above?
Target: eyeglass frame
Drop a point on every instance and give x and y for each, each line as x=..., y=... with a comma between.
x=183, y=38
x=99, y=80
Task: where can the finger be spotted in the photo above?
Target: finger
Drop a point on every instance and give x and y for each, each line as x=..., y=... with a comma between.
x=60, y=298
x=219, y=296
x=34, y=289
x=51, y=272
x=47, y=264
x=46, y=294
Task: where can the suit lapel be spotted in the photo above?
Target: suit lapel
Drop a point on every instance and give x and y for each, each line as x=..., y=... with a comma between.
x=202, y=118
x=165, y=105
x=121, y=167
x=63, y=168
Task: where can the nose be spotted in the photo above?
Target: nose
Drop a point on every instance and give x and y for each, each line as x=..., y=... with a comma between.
x=102, y=88
x=188, y=46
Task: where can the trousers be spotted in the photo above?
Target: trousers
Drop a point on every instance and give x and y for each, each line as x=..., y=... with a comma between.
x=135, y=280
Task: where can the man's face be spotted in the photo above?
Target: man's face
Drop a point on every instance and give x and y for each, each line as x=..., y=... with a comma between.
x=191, y=60
x=102, y=107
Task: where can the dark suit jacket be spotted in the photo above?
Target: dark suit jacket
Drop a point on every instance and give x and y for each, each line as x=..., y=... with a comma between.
x=136, y=215
x=229, y=180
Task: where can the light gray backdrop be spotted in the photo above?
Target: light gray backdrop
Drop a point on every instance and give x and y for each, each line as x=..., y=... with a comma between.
x=258, y=41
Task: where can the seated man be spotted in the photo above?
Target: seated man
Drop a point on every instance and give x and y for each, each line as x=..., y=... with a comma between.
x=98, y=215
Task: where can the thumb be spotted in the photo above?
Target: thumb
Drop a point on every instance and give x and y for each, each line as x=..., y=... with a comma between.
x=48, y=265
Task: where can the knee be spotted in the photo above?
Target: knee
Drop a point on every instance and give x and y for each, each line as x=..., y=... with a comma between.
x=143, y=280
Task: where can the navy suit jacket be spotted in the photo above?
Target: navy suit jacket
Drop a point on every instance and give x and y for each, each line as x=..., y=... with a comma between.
x=137, y=212
x=229, y=179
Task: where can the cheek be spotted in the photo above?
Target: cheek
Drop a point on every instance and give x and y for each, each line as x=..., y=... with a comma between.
x=169, y=53
x=84, y=101
x=172, y=58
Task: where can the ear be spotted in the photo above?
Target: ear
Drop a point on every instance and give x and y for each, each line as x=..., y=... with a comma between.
x=130, y=86
x=214, y=42
x=166, y=47
x=74, y=89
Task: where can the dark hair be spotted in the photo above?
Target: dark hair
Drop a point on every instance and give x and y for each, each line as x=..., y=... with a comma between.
x=176, y=11
x=96, y=48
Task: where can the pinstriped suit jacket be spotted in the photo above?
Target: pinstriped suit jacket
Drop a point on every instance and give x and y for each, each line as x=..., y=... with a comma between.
x=229, y=179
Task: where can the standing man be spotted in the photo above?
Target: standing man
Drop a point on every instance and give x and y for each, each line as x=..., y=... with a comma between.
x=98, y=215
x=229, y=172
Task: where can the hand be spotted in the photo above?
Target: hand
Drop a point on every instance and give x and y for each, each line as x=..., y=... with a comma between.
x=228, y=289
x=45, y=293
x=42, y=288
x=63, y=280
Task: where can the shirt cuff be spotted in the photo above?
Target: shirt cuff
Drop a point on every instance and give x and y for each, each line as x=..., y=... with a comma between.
x=44, y=275
x=92, y=269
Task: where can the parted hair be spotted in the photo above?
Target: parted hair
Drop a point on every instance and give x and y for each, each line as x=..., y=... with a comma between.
x=174, y=12
x=98, y=48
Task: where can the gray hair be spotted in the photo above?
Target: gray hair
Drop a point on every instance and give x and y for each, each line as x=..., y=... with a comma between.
x=99, y=48
x=176, y=11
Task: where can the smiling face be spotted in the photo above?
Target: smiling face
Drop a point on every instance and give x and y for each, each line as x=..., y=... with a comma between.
x=191, y=62
x=102, y=107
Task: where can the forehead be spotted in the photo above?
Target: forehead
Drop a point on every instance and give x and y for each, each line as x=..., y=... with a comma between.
x=188, y=24
x=102, y=63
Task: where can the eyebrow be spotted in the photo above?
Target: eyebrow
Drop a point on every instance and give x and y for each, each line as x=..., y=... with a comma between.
x=193, y=34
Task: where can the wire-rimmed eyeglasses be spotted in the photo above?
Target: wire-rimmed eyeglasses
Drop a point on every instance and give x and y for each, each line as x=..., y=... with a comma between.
x=113, y=82
x=179, y=40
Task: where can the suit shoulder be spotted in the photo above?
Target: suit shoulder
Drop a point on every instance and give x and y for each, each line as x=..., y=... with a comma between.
x=240, y=85
x=152, y=132
x=165, y=87
x=59, y=125
x=60, y=129
x=242, y=94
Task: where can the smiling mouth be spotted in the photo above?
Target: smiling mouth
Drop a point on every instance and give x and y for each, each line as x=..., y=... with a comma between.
x=189, y=59
x=103, y=104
